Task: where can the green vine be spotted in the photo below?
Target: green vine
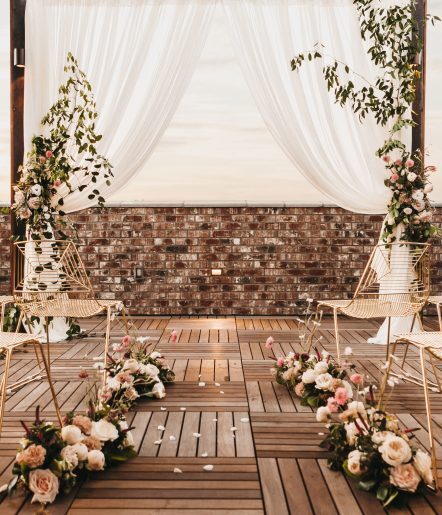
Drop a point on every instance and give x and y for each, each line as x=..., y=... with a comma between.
x=395, y=46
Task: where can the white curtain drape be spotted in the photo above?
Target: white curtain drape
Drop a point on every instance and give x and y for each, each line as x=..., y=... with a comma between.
x=139, y=56
x=326, y=143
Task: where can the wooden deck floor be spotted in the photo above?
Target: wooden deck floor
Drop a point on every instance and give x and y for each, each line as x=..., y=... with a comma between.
x=270, y=464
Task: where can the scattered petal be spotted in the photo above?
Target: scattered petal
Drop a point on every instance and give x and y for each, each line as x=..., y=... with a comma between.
x=177, y=470
x=204, y=454
x=348, y=351
x=201, y=384
x=208, y=468
x=214, y=420
x=221, y=392
x=3, y=488
x=161, y=428
x=217, y=384
x=174, y=336
x=183, y=409
x=157, y=442
x=196, y=435
x=269, y=342
x=245, y=420
x=233, y=428
x=172, y=438
x=163, y=408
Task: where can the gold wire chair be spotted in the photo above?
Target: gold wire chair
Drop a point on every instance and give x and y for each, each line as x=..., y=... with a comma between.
x=429, y=345
x=4, y=301
x=437, y=301
x=53, y=282
x=395, y=283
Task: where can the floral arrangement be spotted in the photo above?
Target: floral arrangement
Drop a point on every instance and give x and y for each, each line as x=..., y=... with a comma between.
x=62, y=161
x=313, y=377
x=135, y=373
x=410, y=205
x=52, y=459
x=368, y=445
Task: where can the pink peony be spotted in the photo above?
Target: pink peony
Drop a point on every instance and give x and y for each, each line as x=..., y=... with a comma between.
x=33, y=456
x=332, y=405
x=269, y=342
x=126, y=341
x=409, y=163
x=341, y=396
x=48, y=154
x=44, y=484
x=280, y=362
x=394, y=177
x=57, y=183
x=357, y=379
x=173, y=336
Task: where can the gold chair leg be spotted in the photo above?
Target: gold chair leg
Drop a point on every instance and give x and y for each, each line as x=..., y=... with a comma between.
x=405, y=355
x=4, y=386
x=47, y=339
x=439, y=316
x=436, y=373
x=335, y=320
x=2, y=318
x=125, y=319
x=384, y=381
x=106, y=343
x=428, y=410
x=388, y=337
x=20, y=320
x=47, y=367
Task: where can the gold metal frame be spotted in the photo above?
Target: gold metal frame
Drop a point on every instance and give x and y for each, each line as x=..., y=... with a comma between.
x=8, y=343
x=394, y=284
x=4, y=301
x=437, y=301
x=429, y=346
x=52, y=282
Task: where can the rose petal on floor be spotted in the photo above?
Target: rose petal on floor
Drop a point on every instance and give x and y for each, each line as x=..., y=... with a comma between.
x=208, y=468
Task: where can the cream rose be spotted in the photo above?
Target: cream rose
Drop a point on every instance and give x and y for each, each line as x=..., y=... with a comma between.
x=379, y=437
x=299, y=389
x=44, y=485
x=69, y=455
x=71, y=434
x=422, y=463
x=351, y=432
x=309, y=376
x=354, y=462
x=358, y=407
x=405, y=477
x=395, y=450
x=36, y=190
x=159, y=391
x=131, y=365
x=322, y=414
x=33, y=456
x=289, y=374
x=95, y=460
x=324, y=381
x=104, y=431
x=151, y=370
x=155, y=355
x=84, y=423
x=321, y=367
x=81, y=450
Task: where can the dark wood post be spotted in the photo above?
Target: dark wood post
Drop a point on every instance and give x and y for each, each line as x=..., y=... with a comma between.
x=418, y=132
x=17, y=41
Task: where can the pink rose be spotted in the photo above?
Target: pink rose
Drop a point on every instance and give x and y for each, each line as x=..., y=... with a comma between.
x=57, y=183
x=49, y=154
x=33, y=456
x=124, y=377
x=357, y=379
x=409, y=163
x=44, y=484
x=405, y=477
x=269, y=342
x=299, y=389
x=126, y=341
x=394, y=177
x=341, y=396
x=173, y=336
x=386, y=159
x=280, y=362
x=398, y=162
x=332, y=405
x=42, y=159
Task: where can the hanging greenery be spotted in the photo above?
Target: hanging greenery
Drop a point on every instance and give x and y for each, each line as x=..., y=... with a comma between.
x=62, y=160
x=394, y=46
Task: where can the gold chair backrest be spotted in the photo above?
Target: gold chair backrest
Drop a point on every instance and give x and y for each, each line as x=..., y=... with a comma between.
x=49, y=270
x=397, y=272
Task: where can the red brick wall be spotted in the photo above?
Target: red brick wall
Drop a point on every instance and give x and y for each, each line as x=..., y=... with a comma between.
x=268, y=256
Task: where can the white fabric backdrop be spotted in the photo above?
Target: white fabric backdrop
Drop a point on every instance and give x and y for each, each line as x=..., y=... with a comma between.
x=139, y=56
x=326, y=143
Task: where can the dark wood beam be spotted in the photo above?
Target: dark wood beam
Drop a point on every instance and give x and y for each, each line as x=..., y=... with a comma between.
x=17, y=74
x=418, y=132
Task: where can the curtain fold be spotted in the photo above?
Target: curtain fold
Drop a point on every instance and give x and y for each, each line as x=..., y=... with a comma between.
x=139, y=56
x=325, y=142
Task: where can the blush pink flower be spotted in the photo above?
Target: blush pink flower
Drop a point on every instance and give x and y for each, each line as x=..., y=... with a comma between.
x=126, y=341
x=280, y=362
x=42, y=159
x=269, y=342
x=394, y=177
x=332, y=405
x=33, y=456
x=57, y=183
x=409, y=163
x=357, y=379
x=48, y=154
x=386, y=159
x=398, y=162
x=431, y=168
x=174, y=336
x=341, y=396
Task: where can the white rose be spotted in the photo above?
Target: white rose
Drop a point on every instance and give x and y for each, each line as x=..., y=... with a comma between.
x=289, y=374
x=19, y=197
x=351, y=432
x=151, y=370
x=123, y=425
x=81, y=451
x=390, y=219
x=419, y=205
x=348, y=389
x=408, y=210
x=36, y=190
x=322, y=414
x=112, y=383
x=379, y=437
x=428, y=188
x=309, y=376
x=129, y=440
x=71, y=434
x=411, y=176
x=395, y=450
x=155, y=355
x=359, y=407
x=69, y=455
x=417, y=195
x=422, y=463
x=104, y=431
x=131, y=365
x=354, y=462
x=159, y=391
x=323, y=381
x=321, y=367
x=95, y=460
